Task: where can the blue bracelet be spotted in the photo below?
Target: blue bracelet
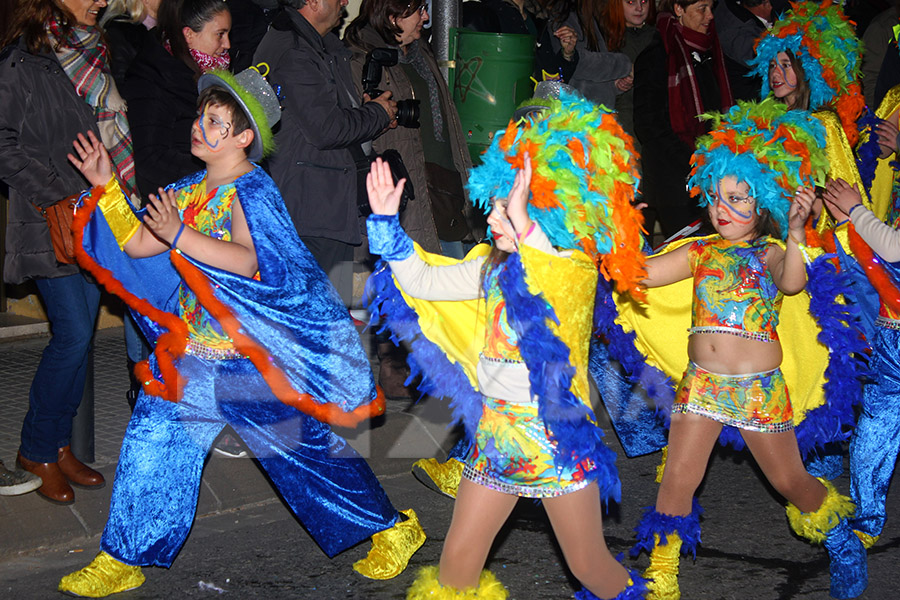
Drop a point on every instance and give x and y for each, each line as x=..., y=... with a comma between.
x=177, y=235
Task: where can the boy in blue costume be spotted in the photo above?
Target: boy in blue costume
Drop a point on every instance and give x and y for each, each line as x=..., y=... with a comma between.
x=248, y=332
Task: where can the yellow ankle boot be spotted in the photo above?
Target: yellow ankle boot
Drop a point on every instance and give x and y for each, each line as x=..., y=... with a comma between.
x=427, y=586
x=392, y=549
x=662, y=574
x=104, y=576
x=442, y=477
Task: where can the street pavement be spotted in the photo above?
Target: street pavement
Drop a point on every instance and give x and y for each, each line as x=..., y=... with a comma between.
x=246, y=544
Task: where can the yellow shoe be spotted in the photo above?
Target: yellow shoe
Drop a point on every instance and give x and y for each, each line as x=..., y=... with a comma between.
x=663, y=569
x=104, y=576
x=867, y=540
x=392, y=549
x=442, y=477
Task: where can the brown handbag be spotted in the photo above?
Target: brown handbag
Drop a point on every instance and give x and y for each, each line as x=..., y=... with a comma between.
x=59, y=217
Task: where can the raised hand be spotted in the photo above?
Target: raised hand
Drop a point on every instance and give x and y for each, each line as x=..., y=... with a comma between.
x=162, y=215
x=517, y=201
x=384, y=196
x=92, y=160
x=800, y=210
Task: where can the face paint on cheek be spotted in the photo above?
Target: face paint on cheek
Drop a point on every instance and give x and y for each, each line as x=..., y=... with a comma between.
x=784, y=77
x=210, y=145
x=737, y=216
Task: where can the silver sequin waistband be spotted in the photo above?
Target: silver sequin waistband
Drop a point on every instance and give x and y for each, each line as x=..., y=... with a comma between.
x=887, y=323
x=200, y=351
x=759, y=336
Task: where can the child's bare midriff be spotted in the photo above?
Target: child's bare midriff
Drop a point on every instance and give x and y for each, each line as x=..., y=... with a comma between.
x=733, y=355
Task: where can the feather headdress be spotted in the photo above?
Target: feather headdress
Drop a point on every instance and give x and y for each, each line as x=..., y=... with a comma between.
x=773, y=149
x=823, y=39
x=584, y=178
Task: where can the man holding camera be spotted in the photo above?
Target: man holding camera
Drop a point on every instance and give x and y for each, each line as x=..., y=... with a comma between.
x=323, y=129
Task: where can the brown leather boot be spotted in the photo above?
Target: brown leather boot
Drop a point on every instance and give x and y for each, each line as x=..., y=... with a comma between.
x=55, y=487
x=77, y=472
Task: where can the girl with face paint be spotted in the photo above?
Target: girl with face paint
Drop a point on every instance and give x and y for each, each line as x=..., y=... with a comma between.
x=734, y=378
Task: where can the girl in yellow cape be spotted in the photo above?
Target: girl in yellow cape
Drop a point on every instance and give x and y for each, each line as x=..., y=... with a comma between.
x=754, y=173
x=505, y=334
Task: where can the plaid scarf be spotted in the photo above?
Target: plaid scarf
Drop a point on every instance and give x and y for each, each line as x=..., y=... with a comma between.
x=685, y=102
x=85, y=60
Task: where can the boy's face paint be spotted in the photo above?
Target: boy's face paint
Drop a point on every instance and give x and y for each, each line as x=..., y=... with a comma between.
x=502, y=231
x=210, y=129
x=782, y=77
x=733, y=211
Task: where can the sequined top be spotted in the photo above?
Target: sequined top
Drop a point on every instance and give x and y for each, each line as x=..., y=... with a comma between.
x=734, y=291
x=210, y=214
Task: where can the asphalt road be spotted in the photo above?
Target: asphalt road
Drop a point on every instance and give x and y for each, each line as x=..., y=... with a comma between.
x=260, y=551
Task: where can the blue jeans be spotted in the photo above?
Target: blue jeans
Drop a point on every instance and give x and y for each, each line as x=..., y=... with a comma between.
x=72, y=303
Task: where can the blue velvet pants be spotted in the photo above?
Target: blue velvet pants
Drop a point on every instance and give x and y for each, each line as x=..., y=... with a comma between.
x=327, y=485
x=876, y=440
x=72, y=303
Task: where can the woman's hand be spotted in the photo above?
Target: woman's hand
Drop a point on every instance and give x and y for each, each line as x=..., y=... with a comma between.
x=567, y=40
x=840, y=197
x=800, y=210
x=93, y=159
x=162, y=216
x=384, y=196
x=625, y=83
x=517, y=201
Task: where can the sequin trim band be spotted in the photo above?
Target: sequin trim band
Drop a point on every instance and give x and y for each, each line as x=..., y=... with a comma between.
x=745, y=425
x=524, y=491
x=888, y=323
x=200, y=351
x=759, y=336
x=502, y=361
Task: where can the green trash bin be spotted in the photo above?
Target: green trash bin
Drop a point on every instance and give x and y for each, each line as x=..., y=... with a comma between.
x=490, y=75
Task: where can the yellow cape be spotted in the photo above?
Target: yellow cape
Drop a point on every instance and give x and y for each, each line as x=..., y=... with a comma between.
x=567, y=283
x=661, y=326
x=884, y=174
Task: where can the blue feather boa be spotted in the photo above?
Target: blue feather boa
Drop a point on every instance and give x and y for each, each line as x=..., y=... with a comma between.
x=441, y=378
x=571, y=423
x=868, y=152
x=656, y=523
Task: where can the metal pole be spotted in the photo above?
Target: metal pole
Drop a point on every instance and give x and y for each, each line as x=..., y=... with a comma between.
x=445, y=15
x=83, y=424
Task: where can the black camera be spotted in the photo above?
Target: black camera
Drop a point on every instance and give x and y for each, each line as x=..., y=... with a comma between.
x=407, y=110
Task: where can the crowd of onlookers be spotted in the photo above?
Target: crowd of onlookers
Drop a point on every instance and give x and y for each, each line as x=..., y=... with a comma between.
x=128, y=69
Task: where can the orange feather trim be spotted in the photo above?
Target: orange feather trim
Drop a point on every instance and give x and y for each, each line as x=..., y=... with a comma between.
x=274, y=377
x=170, y=345
x=875, y=271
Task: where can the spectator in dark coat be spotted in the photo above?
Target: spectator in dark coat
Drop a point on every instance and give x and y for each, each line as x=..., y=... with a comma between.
x=127, y=24
x=739, y=23
x=680, y=76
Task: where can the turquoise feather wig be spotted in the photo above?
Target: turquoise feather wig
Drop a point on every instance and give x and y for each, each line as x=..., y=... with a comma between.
x=773, y=149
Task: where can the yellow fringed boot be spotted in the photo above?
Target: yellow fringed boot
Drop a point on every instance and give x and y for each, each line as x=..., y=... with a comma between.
x=442, y=477
x=828, y=525
x=427, y=587
x=103, y=577
x=662, y=574
x=392, y=549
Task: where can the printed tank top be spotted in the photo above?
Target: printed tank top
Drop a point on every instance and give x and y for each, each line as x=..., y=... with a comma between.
x=733, y=289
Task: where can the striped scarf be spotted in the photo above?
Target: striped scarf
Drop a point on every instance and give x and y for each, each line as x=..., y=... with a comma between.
x=85, y=60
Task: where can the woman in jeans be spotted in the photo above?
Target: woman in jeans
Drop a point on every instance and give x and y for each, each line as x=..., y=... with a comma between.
x=55, y=82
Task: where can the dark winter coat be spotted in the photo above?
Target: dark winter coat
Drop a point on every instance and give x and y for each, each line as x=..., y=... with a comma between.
x=41, y=113
x=417, y=219
x=312, y=165
x=162, y=104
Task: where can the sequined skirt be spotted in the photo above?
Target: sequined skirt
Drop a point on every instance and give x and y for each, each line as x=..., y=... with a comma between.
x=755, y=402
x=512, y=454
